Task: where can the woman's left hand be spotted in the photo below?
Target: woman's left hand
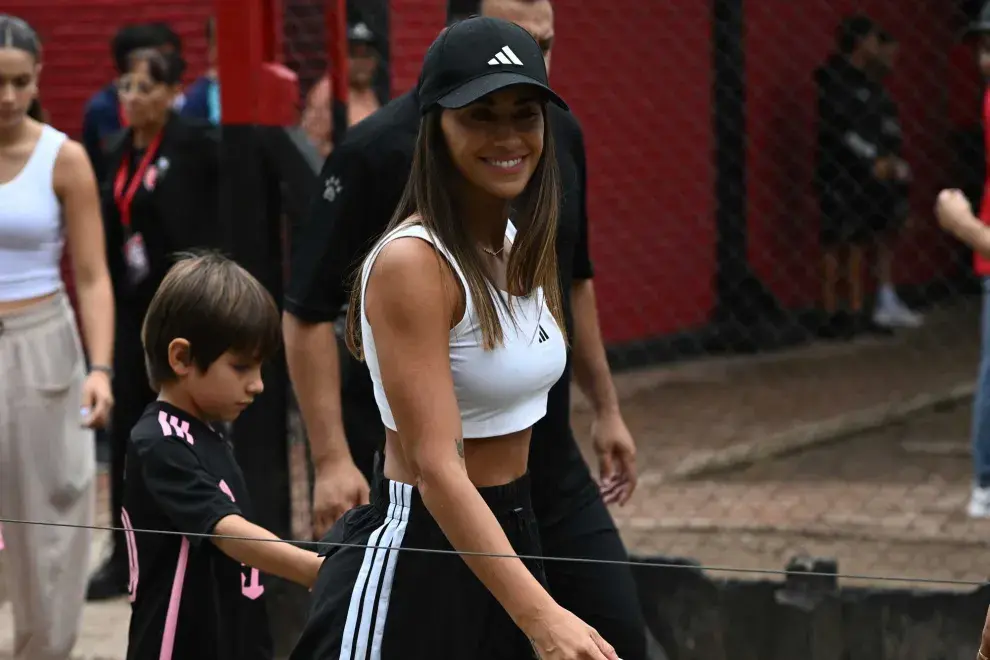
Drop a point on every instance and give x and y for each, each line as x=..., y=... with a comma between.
x=97, y=400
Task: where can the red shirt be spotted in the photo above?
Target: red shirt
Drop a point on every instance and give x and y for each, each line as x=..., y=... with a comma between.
x=982, y=264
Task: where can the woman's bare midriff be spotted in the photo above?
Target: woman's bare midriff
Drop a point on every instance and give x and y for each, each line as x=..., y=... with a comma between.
x=490, y=461
x=11, y=306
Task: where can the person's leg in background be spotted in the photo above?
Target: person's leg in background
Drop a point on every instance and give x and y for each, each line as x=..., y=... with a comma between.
x=979, y=503
x=835, y=323
x=890, y=311
x=858, y=236
x=603, y=595
x=854, y=278
x=47, y=474
x=132, y=394
x=575, y=523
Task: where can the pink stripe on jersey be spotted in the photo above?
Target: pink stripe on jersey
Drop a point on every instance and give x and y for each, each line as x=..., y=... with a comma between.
x=181, y=428
x=172, y=617
x=226, y=490
x=163, y=422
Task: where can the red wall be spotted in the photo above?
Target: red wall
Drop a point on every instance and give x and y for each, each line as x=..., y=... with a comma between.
x=785, y=41
x=413, y=25
x=640, y=82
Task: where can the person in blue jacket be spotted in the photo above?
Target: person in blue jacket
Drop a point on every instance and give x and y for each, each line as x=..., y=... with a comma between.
x=203, y=97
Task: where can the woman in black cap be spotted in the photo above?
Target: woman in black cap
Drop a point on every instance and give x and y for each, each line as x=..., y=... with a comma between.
x=458, y=313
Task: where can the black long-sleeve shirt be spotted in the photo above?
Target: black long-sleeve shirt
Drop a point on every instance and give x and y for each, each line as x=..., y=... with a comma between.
x=850, y=133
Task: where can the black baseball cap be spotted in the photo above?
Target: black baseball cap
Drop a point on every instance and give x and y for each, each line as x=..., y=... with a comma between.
x=477, y=56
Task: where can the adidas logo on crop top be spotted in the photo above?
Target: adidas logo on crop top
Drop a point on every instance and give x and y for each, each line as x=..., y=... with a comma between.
x=189, y=601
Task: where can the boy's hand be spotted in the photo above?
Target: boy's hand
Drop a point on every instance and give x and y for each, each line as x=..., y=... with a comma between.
x=953, y=211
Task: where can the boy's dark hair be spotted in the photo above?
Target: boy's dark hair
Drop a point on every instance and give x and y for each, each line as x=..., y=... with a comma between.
x=215, y=305
x=852, y=31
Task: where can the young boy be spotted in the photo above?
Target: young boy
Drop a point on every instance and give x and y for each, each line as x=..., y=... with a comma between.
x=956, y=216
x=207, y=331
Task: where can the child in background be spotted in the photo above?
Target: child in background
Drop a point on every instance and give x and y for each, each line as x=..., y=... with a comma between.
x=207, y=332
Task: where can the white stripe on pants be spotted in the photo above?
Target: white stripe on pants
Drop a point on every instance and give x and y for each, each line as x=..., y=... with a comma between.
x=47, y=467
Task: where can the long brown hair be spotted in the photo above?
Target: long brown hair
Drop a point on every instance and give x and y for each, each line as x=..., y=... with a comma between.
x=533, y=259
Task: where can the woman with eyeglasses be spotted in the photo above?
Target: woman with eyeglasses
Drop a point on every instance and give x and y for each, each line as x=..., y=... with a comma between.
x=160, y=196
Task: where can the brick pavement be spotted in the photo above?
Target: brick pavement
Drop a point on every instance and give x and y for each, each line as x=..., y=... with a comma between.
x=687, y=418
x=888, y=503
x=688, y=415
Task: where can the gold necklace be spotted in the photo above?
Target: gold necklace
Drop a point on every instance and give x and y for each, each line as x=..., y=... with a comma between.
x=493, y=252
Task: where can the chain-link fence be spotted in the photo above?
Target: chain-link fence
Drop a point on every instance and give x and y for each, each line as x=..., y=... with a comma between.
x=797, y=371
x=823, y=362
x=713, y=234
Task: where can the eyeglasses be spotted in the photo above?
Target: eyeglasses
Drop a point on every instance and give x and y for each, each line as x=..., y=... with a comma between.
x=127, y=85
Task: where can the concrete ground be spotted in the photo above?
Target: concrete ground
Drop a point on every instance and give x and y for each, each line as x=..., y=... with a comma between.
x=856, y=451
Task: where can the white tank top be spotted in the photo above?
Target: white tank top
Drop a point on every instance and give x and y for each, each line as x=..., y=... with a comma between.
x=31, y=236
x=498, y=391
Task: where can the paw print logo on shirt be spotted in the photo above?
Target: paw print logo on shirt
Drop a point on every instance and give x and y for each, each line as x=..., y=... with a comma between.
x=331, y=188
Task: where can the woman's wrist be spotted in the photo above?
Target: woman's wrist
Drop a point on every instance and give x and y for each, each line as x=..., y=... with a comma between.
x=532, y=613
x=101, y=368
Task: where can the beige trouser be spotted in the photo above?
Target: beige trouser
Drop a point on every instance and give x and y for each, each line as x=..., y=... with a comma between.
x=47, y=467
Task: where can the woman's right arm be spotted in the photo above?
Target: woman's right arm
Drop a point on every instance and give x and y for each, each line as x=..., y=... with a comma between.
x=410, y=302
x=77, y=190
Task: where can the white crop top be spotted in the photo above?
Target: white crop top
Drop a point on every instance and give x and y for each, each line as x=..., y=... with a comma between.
x=31, y=225
x=499, y=391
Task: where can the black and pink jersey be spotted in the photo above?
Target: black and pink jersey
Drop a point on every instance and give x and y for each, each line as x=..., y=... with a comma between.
x=189, y=601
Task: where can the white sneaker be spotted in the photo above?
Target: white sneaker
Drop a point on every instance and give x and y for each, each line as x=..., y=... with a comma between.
x=897, y=315
x=979, y=503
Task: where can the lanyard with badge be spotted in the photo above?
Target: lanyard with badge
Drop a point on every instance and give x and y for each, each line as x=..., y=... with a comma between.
x=135, y=252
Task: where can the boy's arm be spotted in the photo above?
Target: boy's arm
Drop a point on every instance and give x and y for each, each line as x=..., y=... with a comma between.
x=268, y=553
x=198, y=504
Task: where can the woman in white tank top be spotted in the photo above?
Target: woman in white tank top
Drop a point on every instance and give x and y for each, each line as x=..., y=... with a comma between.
x=458, y=313
x=48, y=403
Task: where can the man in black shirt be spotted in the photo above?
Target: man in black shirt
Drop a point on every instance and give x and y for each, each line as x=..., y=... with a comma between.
x=362, y=182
